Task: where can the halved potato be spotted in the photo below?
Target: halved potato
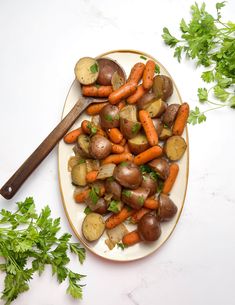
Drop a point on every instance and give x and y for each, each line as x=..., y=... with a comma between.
x=93, y=226
x=78, y=174
x=74, y=160
x=129, y=112
x=156, y=108
x=86, y=70
x=83, y=142
x=129, y=125
x=138, y=144
x=175, y=147
x=117, y=80
x=165, y=134
x=92, y=165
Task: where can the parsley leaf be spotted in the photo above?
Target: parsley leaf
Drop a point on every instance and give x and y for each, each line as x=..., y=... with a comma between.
x=196, y=116
x=94, y=68
x=143, y=57
x=202, y=94
x=28, y=242
x=94, y=194
x=121, y=246
x=157, y=69
x=108, y=117
x=126, y=193
x=114, y=206
x=135, y=128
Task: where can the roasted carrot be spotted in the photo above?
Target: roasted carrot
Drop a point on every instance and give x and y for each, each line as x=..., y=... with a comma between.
x=97, y=91
x=116, y=219
x=123, y=142
x=90, y=128
x=117, y=149
x=126, y=148
x=82, y=196
x=131, y=238
x=148, y=74
x=149, y=128
x=115, y=135
x=95, y=108
x=181, y=119
x=121, y=93
x=121, y=105
x=72, y=136
x=148, y=155
x=151, y=203
x=118, y=158
x=91, y=176
x=136, y=73
x=139, y=214
x=137, y=95
x=169, y=182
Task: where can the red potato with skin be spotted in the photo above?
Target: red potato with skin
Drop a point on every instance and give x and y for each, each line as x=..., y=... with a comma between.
x=114, y=188
x=100, y=147
x=161, y=167
x=149, y=227
x=109, y=116
x=135, y=198
x=128, y=175
x=149, y=182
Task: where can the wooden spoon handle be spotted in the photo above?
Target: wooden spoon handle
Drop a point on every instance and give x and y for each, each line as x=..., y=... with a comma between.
x=14, y=183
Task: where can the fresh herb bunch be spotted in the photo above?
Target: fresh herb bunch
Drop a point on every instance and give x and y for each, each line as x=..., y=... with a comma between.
x=28, y=242
x=211, y=43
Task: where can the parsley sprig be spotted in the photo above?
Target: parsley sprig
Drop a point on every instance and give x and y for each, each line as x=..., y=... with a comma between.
x=29, y=242
x=211, y=43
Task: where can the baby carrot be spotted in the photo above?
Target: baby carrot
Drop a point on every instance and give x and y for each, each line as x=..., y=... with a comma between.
x=148, y=74
x=115, y=135
x=90, y=128
x=131, y=238
x=149, y=128
x=169, y=182
x=118, y=158
x=91, y=176
x=181, y=119
x=82, y=196
x=121, y=105
x=151, y=203
x=121, y=93
x=72, y=136
x=148, y=155
x=123, y=142
x=136, y=73
x=115, y=219
x=97, y=91
x=95, y=108
x=139, y=214
x=117, y=149
x=86, y=126
x=137, y=95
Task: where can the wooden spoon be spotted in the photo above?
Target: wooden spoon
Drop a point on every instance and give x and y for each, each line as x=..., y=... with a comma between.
x=14, y=183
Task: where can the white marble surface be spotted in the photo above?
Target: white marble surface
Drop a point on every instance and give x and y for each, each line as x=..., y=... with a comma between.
x=40, y=43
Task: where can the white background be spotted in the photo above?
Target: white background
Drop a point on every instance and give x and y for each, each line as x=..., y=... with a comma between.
x=40, y=44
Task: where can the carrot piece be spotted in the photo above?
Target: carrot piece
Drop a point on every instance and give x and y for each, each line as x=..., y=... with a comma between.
x=91, y=176
x=131, y=238
x=139, y=214
x=126, y=148
x=115, y=219
x=72, y=136
x=87, y=128
x=137, y=95
x=181, y=119
x=97, y=91
x=117, y=149
x=136, y=73
x=169, y=182
x=149, y=74
x=118, y=158
x=148, y=155
x=95, y=108
x=115, y=135
x=149, y=128
x=123, y=142
x=121, y=105
x=81, y=197
x=151, y=204
x=121, y=93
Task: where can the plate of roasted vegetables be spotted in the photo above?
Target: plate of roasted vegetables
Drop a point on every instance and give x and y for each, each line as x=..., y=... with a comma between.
x=123, y=166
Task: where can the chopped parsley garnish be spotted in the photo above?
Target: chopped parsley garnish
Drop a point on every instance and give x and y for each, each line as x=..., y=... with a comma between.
x=121, y=246
x=126, y=193
x=92, y=128
x=135, y=128
x=108, y=117
x=94, y=194
x=114, y=206
x=140, y=200
x=124, y=163
x=145, y=168
x=81, y=161
x=94, y=68
x=143, y=57
x=157, y=69
x=87, y=210
x=154, y=176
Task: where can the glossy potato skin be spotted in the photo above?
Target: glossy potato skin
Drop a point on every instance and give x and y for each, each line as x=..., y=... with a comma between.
x=170, y=114
x=107, y=68
x=149, y=227
x=161, y=167
x=158, y=124
x=100, y=147
x=114, y=188
x=135, y=198
x=167, y=208
x=100, y=207
x=149, y=183
x=128, y=175
x=129, y=128
x=145, y=100
x=162, y=87
x=109, y=116
x=138, y=144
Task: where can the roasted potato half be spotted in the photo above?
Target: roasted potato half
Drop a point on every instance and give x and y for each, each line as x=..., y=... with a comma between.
x=162, y=87
x=175, y=148
x=86, y=70
x=135, y=198
x=156, y=108
x=170, y=114
x=93, y=226
x=100, y=147
x=78, y=174
x=138, y=144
